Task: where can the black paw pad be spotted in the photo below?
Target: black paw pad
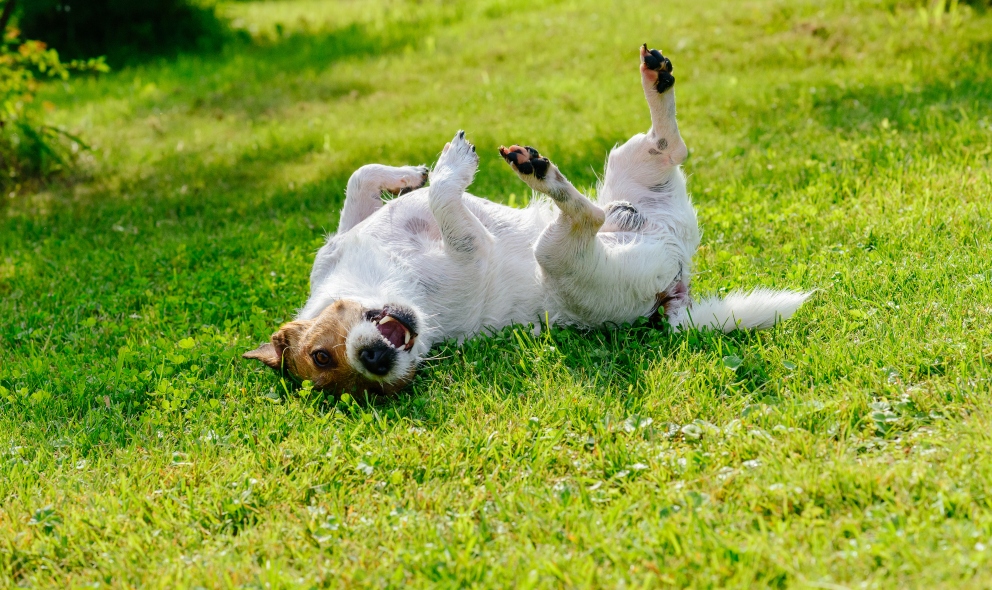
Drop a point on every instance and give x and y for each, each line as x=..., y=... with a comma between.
x=526, y=160
x=654, y=60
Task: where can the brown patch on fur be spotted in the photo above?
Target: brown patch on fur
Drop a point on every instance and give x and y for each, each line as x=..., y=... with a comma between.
x=661, y=302
x=266, y=353
x=293, y=345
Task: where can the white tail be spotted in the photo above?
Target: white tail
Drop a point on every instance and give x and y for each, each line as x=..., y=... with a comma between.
x=759, y=309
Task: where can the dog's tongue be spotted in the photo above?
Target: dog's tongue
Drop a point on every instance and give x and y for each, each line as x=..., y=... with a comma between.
x=393, y=331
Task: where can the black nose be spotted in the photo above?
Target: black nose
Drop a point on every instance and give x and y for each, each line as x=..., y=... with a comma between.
x=378, y=358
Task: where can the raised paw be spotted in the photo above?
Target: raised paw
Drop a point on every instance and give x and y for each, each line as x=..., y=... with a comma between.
x=657, y=68
x=413, y=177
x=458, y=160
x=525, y=160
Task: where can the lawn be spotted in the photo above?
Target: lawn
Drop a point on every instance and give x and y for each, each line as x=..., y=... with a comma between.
x=837, y=145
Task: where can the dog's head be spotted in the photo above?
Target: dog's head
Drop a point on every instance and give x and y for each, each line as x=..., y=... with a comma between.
x=348, y=348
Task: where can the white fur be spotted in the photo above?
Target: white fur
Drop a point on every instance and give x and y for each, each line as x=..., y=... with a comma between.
x=756, y=310
x=365, y=334
x=464, y=264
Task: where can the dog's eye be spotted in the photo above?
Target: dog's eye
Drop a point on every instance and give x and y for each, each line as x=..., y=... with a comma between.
x=321, y=358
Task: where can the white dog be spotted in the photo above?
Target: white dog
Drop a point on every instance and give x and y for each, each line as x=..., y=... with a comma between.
x=438, y=263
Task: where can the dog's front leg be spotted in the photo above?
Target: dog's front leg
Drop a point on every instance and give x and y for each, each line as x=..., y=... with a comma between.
x=568, y=250
x=363, y=197
x=579, y=214
x=596, y=281
x=463, y=234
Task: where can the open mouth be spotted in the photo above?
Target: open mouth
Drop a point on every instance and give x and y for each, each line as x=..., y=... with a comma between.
x=395, y=327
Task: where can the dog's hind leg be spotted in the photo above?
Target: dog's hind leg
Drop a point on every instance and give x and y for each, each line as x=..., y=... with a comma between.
x=363, y=197
x=649, y=161
x=464, y=236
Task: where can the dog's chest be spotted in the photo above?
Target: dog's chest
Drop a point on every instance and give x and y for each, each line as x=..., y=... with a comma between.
x=398, y=254
x=408, y=219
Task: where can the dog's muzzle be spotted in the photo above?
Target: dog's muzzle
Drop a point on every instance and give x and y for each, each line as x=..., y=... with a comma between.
x=398, y=326
x=378, y=358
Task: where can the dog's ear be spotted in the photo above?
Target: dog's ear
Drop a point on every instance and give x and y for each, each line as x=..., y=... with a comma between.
x=267, y=354
x=271, y=353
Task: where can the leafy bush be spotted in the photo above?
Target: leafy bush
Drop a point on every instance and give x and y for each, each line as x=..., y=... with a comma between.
x=28, y=146
x=121, y=30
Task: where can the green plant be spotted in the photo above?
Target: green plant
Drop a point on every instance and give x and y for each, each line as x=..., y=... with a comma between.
x=29, y=147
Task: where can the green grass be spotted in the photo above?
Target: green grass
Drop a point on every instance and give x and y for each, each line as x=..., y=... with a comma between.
x=841, y=145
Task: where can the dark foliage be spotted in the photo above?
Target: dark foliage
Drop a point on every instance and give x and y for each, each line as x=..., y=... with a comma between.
x=30, y=148
x=123, y=30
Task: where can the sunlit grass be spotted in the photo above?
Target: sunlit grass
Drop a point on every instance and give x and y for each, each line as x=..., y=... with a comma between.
x=838, y=146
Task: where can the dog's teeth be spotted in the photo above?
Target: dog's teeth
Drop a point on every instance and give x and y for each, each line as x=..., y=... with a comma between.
x=386, y=320
x=406, y=339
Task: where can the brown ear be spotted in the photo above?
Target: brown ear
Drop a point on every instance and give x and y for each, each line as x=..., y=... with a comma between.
x=271, y=353
x=267, y=354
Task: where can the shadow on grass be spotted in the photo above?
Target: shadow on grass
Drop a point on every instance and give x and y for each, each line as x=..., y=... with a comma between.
x=618, y=365
x=124, y=32
x=254, y=78
x=273, y=76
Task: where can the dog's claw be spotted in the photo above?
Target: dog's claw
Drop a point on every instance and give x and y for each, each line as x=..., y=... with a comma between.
x=458, y=159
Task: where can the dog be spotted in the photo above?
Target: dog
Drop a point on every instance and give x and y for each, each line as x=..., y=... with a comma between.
x=436, y=263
